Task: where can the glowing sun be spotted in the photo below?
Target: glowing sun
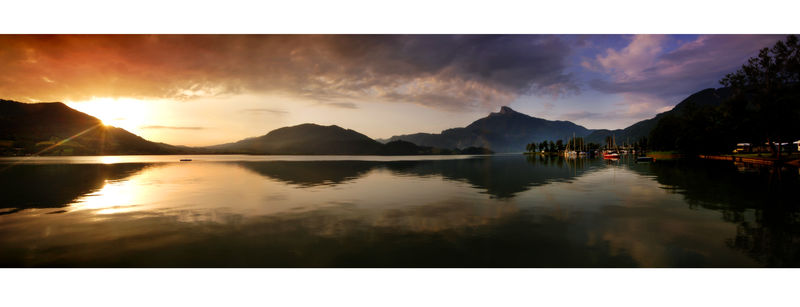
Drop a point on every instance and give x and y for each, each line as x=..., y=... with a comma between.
x=126, y=113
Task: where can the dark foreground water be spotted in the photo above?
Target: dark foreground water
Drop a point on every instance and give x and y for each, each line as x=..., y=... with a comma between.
x=497, y=211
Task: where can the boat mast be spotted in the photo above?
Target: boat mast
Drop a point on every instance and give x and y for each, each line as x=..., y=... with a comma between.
x=614, y=142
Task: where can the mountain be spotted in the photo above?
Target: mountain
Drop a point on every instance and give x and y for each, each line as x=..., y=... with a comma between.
x=400, y=147
x=504, y=131
x=52, y=128
x=312, y=139
x=31, y=128
x=305, y=139
x=35, y=128
x=706, y=97
x=510, y=131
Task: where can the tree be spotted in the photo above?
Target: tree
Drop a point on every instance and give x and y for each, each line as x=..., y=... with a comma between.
x=642, y=143
x=766, y=95
x=553, y=147
x=763, y=106
x=695, y=129
x=560, y=145
x=531, y=147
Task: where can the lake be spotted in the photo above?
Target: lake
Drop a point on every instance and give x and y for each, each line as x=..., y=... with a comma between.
x=420, y=211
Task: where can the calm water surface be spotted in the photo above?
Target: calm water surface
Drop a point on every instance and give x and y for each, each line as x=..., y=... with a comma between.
x=443, y=211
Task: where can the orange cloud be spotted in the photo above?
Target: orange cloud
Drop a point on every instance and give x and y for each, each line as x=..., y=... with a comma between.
x=439, y=71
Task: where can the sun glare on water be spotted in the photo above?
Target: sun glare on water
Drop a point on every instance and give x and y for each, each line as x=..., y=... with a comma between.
x=110, y=159
x=126, y=113
x=114, y=197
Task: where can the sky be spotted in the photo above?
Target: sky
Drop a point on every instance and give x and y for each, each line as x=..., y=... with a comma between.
x=209, y=89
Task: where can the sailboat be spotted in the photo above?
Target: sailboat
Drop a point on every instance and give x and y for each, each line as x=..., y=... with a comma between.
x=571, y=153
x=611, y=155
x=582, y=152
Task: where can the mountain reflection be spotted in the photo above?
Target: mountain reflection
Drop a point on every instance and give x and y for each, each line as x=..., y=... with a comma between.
x=499, y=176
x=762, y=201
x=311, y=173
x=498, y=211
x=28, y=186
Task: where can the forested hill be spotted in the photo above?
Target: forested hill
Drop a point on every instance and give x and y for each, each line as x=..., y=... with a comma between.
x=55, y=128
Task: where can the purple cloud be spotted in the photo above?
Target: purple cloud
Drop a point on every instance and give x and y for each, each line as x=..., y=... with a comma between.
x=644, y=67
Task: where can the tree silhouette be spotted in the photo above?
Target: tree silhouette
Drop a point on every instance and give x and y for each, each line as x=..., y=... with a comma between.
x=764, y=106
x=766, y=91
x=531, y=147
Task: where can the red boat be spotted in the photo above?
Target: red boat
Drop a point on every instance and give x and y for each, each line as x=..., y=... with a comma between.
x=610, y=154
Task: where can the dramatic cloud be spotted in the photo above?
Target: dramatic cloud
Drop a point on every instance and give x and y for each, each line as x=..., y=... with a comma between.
x=607, y=81
x=448, y=72
x=627, y=64
x=644, y=67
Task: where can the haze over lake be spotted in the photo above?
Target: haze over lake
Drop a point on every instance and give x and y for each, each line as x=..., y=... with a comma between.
x=371, y=211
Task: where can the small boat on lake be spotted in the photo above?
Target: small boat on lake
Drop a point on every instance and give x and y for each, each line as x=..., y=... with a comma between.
x=610, y=155
x=186, y=160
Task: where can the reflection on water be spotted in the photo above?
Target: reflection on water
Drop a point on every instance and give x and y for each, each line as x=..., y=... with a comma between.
x=55, y=186
x=491, y=211
x=761, y=201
